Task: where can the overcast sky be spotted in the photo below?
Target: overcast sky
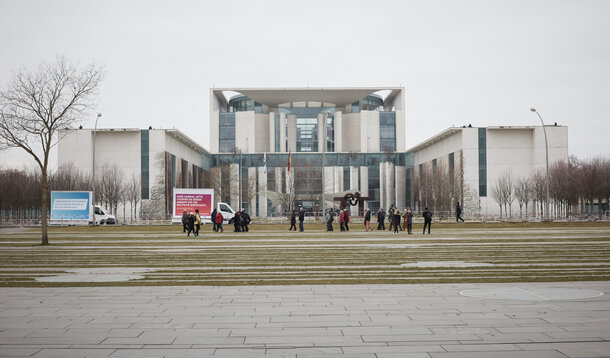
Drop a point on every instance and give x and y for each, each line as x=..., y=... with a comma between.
x=480, y=62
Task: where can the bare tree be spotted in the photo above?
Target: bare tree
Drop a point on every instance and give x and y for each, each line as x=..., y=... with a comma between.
x=497, y=193
x=37, y=106
x=508, y=187
x=134, y=192
x=523, y=194
x=538, y=181
x=287, y=196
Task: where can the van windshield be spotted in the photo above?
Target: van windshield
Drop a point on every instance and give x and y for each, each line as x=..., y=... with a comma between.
x=224, y=208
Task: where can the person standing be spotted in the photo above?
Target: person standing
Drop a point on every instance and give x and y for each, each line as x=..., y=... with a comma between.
x=427, y=220
x=213, y=219
x=197, y=222
x=293, y=221
x=191, y=224
x=218, y=221
x=409, y=220
x=301, y=218
x=367, y=220
x=185, y=221
x=342, y=220
x=458, y=213
x=391, y=216
x=237, y=222
x=396, y=222
x=245, y=220
x=346, y=219
x=329, y=221
x=381, y=219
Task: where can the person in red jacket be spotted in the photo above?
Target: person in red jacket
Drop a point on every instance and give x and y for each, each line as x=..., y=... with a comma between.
x=219, y=222
x=346, y=220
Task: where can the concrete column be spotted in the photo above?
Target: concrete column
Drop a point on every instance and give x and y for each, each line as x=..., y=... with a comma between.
x=338, y=179
x=382, y=187
x=234, y=186
x=353, y=185
x=401, y=187
x=389, y=183
x=250, y=189
x=364, y=183
x=292, y=133
x=262, y=192
x=283, y=132
x=278, y=186
x=329, y=182
x=271, y=143
x=321, y=138
x=289, y=183
x=338, y=130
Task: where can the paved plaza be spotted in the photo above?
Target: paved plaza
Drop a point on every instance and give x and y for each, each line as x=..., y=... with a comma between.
x=570, y=319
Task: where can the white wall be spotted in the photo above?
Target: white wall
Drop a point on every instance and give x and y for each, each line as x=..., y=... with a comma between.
x=351, y=132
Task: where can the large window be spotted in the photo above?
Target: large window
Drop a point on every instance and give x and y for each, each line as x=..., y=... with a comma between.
x=482, y=162
x=226, y=133
x=387, y=131
x=307, y=134
x=144, y=163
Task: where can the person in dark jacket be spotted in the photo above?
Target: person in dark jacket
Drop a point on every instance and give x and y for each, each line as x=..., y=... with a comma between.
x=191, y=224
x=301, y=219
x=396, y=221
x=381, y=219
x=329, y=220
x=346, y=220
x=213, y=219
x=367, y=220
x=293, y=221
x=427, y=220
x=245, y=220
x=391, y=217
x=185, y=221
x=409, y=216
x=458, y=213
x=237, y=222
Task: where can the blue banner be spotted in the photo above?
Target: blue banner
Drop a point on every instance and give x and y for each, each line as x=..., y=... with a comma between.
x=70, y=205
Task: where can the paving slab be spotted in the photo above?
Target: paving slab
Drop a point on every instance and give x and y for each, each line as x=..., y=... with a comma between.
x=432, y=320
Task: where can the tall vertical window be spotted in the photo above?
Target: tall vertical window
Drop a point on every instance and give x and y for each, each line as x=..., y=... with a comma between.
x=144, y=163
x=346, y=173
x=307, y=134
x=482, y=162
x=226, y=128
x=278, y=127
x=173, y=171
x=452, y=173
x=387, y=131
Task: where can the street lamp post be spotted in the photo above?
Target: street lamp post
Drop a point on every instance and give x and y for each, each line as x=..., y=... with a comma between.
x=546, y=143
x=93, y=169
x=325, y=140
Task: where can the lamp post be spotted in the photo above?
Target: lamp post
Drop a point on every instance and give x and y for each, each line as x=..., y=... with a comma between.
x=546, y=144
x=324, y=125
x=93, y=169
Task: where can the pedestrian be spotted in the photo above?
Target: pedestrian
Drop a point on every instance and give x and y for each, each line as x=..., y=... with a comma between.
x=427, y=220
x=381, y=219
x=391, y=217
x=458, y=213
x=237, y=222
x=346, y=219
x=245, y=220
x=329, y=220
x=367, y=220
x=293, y=221
x=409, y=220
x=191, y=224
x=396, y=222
x=213, y=220
x=185, y=221
x=218, y=220
x=301, y=218
x=197, y=222
x=342, y=219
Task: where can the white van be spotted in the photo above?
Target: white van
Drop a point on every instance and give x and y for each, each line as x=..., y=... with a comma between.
x=103, y=216
x=226, y=210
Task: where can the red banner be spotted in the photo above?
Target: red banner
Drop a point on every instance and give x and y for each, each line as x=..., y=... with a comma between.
x=190, y=202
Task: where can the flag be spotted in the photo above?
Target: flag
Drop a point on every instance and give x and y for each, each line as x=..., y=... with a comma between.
x=289, y=153
x=265, y=162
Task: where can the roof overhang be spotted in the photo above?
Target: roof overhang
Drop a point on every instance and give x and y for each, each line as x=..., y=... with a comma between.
x=437, y=138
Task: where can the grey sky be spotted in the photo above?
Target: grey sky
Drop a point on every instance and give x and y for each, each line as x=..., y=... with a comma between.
x=480, y=62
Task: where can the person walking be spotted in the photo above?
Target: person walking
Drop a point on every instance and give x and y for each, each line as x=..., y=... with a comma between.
x=381, y=219
x=346, y=219
x=185, y=221
x=293, y=221
x=213, y=219
x=237, y=222
x=458, y=213
x=367, y=220
x=197, y=222
x=396, y=222
x=342, y=220
x=218, y=221
x=329, y=220
x=409, y=220
x=301, y=218
x=191, y=224
x=391, y=217
x=427, y=220
x=245, y=220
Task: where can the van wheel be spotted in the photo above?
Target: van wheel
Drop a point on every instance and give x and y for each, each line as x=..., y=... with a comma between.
x=102, y=222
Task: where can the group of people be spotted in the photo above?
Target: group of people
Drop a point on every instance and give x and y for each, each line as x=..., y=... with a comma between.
x=191, y=223
x=293, y=219
x=343, y=219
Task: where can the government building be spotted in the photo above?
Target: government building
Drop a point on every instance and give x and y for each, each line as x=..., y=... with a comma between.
x=272, y=149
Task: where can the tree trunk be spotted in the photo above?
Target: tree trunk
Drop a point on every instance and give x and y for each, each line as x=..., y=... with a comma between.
x=43, y=223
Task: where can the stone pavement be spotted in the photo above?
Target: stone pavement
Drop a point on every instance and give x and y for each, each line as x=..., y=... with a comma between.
x=432, y=320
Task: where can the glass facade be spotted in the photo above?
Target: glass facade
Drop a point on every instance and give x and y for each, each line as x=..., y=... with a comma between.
x=144, y=164
x=241, y=103
x=387, y=131
x=226, y=132
x=482, y=162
